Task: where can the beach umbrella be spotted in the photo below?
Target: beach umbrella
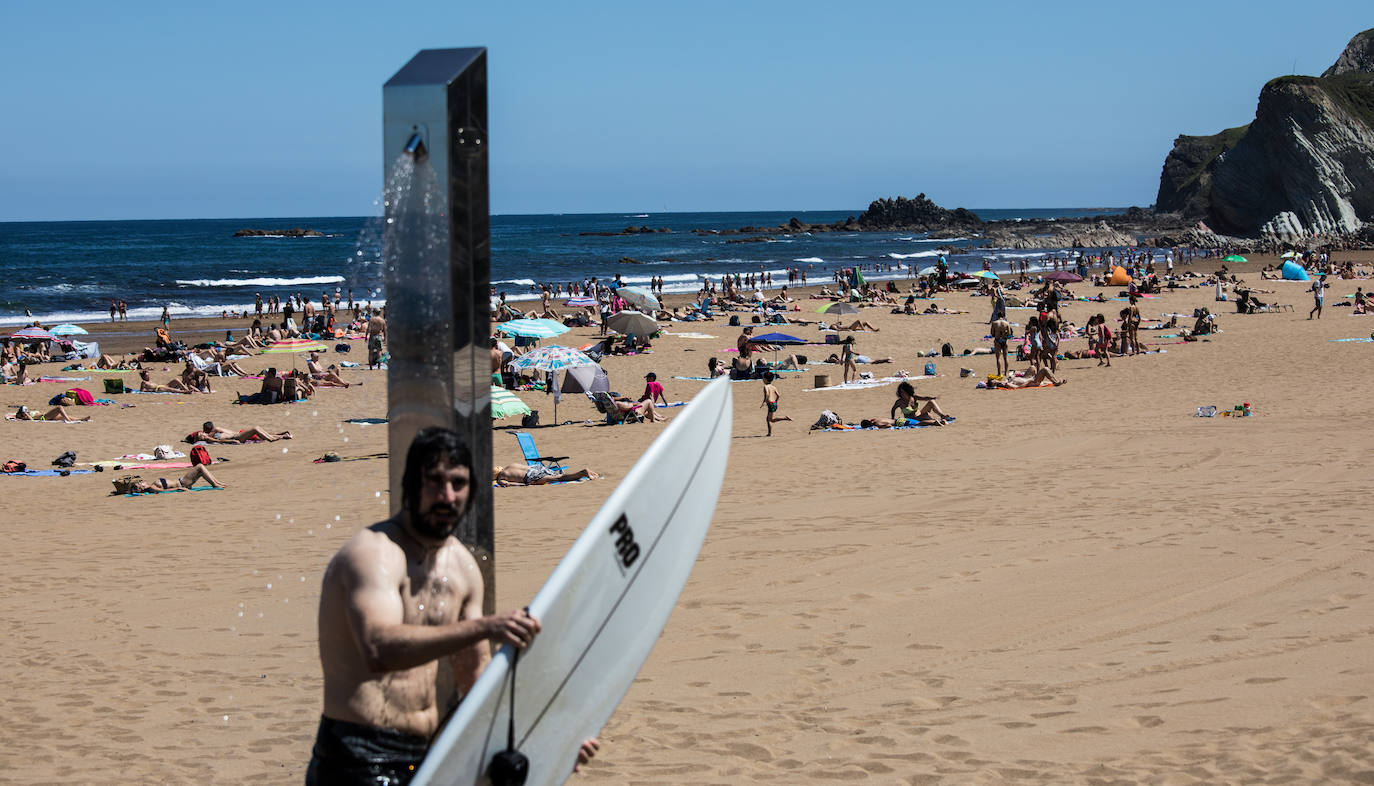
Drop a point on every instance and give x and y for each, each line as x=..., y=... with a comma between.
x=627, y=322
x=585, y=379
x=841, y=308
x=505, y=404
x=69, y=330
x=1234, y=258
x=551, y=358
x=1066, y=276
x=776, y=338
x=579, y=302
x=532, y=328
x=33, y=334
x=928, y=271
x=639, y=297
x=987, y=274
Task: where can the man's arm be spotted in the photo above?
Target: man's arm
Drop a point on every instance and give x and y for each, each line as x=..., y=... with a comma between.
x=370, y=572
x=469, y=662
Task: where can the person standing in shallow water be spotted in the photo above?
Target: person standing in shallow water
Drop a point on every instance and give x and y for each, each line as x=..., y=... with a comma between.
x=396, y=598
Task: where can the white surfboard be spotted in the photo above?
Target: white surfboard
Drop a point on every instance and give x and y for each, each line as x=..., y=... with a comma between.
x=601, y=610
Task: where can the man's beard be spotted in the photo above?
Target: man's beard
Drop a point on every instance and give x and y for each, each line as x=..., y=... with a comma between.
x=437, y=523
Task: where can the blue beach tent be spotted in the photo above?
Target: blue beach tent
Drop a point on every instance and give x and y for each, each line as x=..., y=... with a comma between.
x=1292, y=271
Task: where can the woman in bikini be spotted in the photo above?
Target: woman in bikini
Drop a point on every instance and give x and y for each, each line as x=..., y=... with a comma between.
x=55, y=415
x=907, y=408
x=198, y=472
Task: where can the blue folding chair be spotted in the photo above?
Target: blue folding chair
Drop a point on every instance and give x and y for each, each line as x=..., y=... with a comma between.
x=532, y=456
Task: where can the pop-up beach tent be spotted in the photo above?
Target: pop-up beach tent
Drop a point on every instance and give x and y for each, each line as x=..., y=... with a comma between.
x=1120, y=277
x=1292, y=271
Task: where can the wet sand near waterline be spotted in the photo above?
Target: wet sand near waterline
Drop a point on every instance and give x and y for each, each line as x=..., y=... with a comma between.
x=1077, y=584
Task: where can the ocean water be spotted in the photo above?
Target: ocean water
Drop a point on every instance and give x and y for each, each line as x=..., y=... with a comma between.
x=69, y=271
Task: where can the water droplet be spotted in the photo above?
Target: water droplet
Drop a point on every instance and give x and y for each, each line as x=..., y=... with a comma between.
x=278, y=517
x=226, y=718
x=240, y=614
x=345, y=439
x=422, y=607
x=269, y=585
x=283, y=450
x=315, y=414
x=302, y=579
x=310, y=532
x=336, y=518
x=255, y=571
x=259, y=615
x=328, y=526
x=376, y=493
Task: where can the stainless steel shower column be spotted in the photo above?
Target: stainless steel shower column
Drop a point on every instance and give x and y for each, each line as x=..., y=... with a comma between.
x=438, y=265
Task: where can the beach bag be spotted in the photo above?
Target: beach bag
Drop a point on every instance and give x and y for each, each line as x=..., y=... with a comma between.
x=947, y=350
x=67, y=459
x=199, y=455
x=342, y=348
x=930, y=369
x=531, y=420
x=164, y=452
x=126, y=484
x=734, y=320
x=12, y=466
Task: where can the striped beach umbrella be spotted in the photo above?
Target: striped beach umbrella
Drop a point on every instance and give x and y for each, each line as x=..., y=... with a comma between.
x=506, y=404
x=69, y=330
x=552, y=358
x=987, y=274
x=532, y=328
x=293, y=345
x=579, y=302
x=639, y=297
x=33, y=334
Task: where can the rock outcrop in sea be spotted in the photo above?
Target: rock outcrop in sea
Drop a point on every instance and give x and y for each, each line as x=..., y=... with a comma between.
x=293, y=232
x=1303, y=168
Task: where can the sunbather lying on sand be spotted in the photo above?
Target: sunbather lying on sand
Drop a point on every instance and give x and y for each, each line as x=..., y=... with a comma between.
x=198, y=472
x=174, y=385
x=327, y=377
x=857, y=324
x=1014, y=383
x=56, y=414
x=525, y=475
x=220, y=436
x=934, y=309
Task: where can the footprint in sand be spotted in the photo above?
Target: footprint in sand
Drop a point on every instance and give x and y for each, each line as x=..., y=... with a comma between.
x=1264, y=680
x=1148, y=721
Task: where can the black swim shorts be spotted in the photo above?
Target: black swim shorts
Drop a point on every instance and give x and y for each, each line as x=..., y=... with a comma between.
x=353, y=753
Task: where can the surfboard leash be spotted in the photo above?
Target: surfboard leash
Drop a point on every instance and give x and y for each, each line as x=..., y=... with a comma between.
x=510, y=767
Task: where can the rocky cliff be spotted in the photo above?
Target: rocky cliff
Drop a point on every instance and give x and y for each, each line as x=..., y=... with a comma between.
x=1304, y=167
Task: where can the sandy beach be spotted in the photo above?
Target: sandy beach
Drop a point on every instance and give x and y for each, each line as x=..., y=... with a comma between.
x=1081, y=584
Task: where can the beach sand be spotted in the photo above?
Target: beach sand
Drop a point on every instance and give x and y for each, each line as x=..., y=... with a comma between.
x=1082, y=584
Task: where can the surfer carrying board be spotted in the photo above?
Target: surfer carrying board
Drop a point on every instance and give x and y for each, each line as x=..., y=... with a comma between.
x=396, y=598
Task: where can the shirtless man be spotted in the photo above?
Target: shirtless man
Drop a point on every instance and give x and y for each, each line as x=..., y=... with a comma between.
x=326, y=377
x=524, y=474
x=223, y=436
x=376, y=340
x=397, y=597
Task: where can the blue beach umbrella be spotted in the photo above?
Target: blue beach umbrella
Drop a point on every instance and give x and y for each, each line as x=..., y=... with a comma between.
x=776, y=338
x=639, y=297
x=532, y=328
x=68, y=330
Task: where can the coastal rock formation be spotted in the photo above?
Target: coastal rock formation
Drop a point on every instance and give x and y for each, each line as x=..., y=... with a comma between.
x=640, y=230
x=1303, y=168
x=1098, y=235
x=294, y=232
x=916, y=215
x=1358, y=56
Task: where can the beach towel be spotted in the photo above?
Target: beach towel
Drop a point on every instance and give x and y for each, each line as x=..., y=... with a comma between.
x=689, y=335
x=842, y=427
x=11, y=416
x=63, y=379
x=332, y=457
x=1342, y=340
x=47, y=473
x=864, y=384
x=366, y=421
x=172, y=491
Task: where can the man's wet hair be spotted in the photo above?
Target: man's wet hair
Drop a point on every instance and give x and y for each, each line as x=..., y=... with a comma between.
x=430, y=446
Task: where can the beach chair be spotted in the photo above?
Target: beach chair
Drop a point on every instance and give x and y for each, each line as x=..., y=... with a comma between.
x=614, y=415
x=532, y=457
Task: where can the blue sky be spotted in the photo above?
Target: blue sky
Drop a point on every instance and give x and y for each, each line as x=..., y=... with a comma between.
x=185, y=110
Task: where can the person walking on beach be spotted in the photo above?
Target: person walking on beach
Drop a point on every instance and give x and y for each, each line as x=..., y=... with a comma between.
x=1318, y=296
x=771, y=398
x=166, y=317
x=1001, y=335
x=397, y=597
x=114, y=310
x=847, y=362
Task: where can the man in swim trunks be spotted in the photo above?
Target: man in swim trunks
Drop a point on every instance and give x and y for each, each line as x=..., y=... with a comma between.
x=536, y=475
x=396, y=598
